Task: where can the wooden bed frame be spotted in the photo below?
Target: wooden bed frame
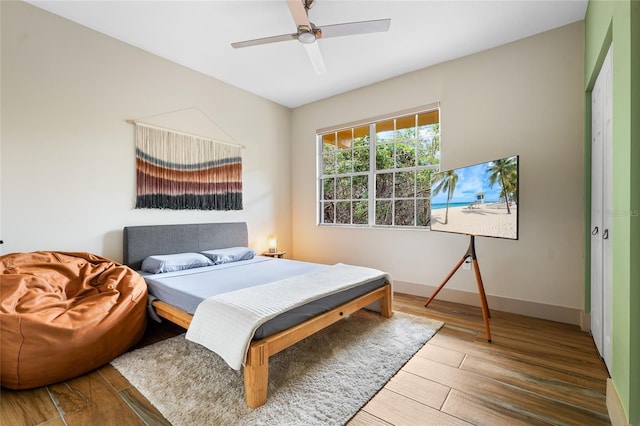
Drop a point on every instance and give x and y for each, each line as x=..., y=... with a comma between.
x=256, y=370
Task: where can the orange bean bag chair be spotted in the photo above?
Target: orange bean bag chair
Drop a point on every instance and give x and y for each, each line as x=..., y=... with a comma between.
x=64, y=314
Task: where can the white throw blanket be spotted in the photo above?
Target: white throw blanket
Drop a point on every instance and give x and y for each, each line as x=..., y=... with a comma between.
x=227, y=322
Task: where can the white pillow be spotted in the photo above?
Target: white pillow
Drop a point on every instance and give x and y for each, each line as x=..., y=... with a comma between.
x=159, y=264
x=231, y=254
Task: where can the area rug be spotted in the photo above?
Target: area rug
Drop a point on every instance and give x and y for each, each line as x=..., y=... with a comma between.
x=322, y=380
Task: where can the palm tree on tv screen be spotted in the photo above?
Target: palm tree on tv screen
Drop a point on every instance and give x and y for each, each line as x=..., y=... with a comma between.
x=446, y=181
x=503, y=171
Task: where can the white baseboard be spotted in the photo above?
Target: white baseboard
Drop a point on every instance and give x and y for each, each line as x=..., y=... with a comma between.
x=522, y=307
x=614, y=406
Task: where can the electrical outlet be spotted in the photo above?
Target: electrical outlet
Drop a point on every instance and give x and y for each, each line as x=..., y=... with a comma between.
x=467, y=264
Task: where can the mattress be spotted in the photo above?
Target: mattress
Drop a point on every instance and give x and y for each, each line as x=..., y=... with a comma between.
x=186, y=289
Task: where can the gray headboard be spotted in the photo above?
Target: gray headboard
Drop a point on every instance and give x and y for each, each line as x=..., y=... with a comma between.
x=142, y=241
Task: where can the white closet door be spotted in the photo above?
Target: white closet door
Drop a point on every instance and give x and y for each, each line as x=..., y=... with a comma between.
x=601, y=209
x=596, y=215
x=607, y=202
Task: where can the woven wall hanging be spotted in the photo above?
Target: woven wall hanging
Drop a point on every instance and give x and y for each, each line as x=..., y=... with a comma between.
x=181, y=171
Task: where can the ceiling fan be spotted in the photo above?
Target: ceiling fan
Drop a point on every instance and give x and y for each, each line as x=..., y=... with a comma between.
x=308, y=33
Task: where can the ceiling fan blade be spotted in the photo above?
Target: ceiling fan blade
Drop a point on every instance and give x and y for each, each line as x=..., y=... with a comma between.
x=313, y=51
x=299, y=13
x=265, y=40
x=353, y=28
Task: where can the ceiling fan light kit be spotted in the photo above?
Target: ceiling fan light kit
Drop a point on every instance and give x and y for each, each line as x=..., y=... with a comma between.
x=308, y=33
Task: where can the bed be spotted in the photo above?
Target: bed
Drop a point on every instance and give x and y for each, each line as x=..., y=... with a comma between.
x=274, y=335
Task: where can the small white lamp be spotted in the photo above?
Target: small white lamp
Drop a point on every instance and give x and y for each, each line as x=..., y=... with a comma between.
x=272, y=241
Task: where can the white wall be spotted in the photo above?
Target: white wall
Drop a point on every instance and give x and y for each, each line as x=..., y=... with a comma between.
x=68, y=167
x=523, y=98
x=68, y=159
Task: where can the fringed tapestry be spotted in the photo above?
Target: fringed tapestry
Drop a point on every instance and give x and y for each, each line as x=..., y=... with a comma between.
x=178, y=171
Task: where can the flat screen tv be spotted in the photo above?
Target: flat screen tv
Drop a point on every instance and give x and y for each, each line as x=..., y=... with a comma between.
x=477, y=200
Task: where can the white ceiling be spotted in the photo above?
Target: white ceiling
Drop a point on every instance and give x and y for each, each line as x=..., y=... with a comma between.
x=198, y=34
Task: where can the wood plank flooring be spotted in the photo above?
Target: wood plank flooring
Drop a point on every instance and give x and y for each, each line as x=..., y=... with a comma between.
x=535, y=372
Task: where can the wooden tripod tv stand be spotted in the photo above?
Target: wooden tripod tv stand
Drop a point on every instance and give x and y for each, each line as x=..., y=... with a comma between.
x=471, y=252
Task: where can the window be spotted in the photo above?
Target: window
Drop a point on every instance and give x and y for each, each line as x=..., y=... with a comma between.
x=379, y=173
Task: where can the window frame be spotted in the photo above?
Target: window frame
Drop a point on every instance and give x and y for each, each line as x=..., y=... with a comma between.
x=374, y=172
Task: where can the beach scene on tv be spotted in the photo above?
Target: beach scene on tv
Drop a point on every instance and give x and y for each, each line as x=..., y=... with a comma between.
x=477, y=200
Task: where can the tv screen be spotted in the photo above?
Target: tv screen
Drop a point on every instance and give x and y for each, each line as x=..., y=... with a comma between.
x=481, y=199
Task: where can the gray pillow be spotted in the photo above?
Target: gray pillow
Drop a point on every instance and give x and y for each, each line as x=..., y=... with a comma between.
x=231, y=254
x=158, y=264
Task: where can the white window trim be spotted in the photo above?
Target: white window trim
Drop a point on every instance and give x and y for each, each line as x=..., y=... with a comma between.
x=372, y=170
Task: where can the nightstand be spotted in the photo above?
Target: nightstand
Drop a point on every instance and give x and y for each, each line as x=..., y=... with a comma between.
x=277, y=254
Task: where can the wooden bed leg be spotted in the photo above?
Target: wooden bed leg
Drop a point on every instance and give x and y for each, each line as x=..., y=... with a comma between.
x=256, y=376
x=386, y=308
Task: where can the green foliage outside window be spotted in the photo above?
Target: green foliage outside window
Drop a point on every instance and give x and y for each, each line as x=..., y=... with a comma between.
x=405, y=153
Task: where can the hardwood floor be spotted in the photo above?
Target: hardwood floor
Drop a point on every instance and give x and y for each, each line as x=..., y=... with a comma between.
x=535, y=372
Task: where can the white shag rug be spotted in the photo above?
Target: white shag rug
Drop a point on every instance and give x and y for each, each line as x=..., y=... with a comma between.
x=322, y=380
